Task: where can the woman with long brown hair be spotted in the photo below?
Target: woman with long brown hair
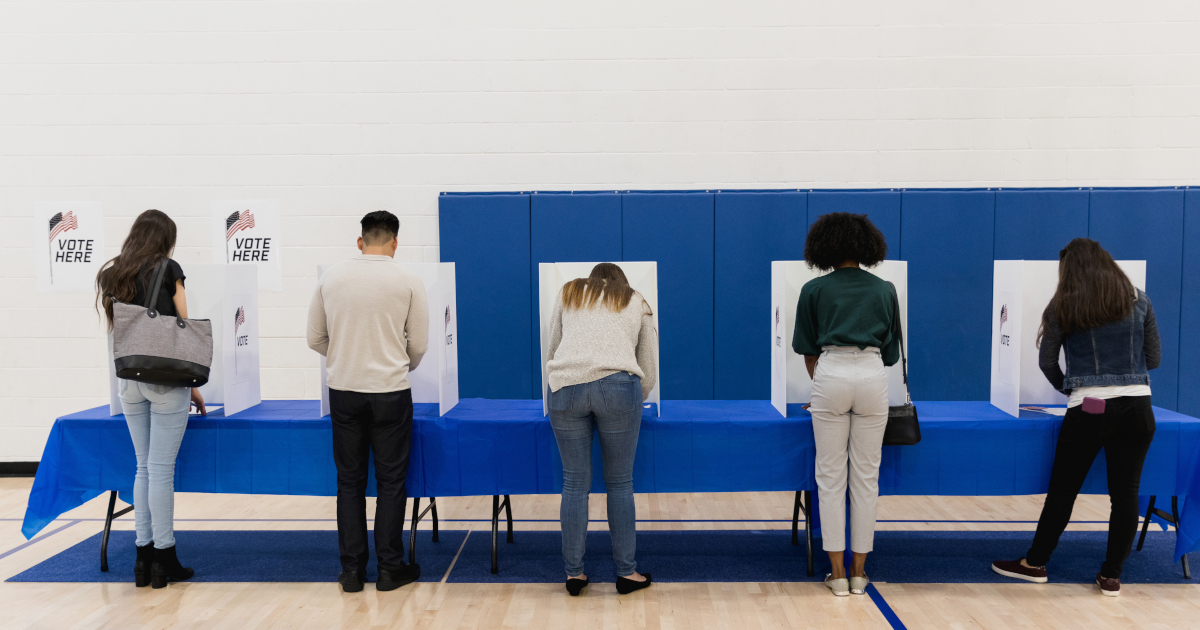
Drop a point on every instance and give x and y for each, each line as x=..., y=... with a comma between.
x=601, y=368
x=157, y=415
x=1107, y=328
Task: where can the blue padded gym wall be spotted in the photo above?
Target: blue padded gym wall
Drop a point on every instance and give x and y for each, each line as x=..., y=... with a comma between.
x=753, y=229
x=486, y=236
x=714, y=251
x=946, y=237
x=566, y=227
x=1036, y=224
x=882, y=207
x=676, y=230
x=1147, y=225
x=1189, y=311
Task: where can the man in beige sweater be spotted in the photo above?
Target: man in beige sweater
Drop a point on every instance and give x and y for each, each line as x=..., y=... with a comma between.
x=370, y=319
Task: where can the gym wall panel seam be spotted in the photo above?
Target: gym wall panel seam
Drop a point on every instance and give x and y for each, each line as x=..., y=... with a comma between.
x=1189, y=315
x=1147, y=224
x=678, y=231
x=568, y=227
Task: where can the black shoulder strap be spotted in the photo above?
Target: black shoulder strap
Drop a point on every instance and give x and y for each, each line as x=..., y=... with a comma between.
x=156, y=285
x=903, y=354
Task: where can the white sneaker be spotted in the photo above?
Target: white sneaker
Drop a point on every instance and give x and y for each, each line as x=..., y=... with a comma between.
x=858, y=585
x=839, y=586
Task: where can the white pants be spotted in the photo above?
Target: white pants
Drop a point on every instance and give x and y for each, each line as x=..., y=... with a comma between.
x=849, y=410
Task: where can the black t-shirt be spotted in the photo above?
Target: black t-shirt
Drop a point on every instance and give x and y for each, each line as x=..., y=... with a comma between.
x=166, y=305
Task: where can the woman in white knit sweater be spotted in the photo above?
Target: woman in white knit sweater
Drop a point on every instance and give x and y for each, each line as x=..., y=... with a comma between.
x=601, y=367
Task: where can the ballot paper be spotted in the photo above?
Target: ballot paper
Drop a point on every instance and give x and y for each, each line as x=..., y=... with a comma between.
x=1054, y=411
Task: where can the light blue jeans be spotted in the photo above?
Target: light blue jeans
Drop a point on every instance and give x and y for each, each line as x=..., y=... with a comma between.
x=157, y=416
x=612, y=405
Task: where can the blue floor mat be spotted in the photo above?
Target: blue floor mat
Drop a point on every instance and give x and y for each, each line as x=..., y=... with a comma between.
x=238, y=556
x=690, y=556
x=768, y=556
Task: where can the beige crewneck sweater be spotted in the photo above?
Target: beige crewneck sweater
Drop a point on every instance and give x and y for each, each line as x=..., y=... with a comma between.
x=370, y=319
x=588, y=344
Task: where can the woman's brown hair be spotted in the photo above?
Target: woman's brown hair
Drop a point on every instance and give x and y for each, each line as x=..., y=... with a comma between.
x=607, y=285
x=1092, y=289
x=150, y=240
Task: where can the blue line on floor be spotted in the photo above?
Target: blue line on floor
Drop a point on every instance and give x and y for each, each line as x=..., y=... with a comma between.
x=883, y=607
x=35, y=540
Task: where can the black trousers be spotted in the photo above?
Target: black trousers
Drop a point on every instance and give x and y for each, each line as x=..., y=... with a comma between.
x=1124, y=431
x=364, y=424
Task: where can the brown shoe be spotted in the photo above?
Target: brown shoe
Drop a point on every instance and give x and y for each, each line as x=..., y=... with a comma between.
x=1110, y=587
x=1014, y=569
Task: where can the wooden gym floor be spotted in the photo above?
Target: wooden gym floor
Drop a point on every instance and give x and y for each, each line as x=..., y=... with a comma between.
x=520, y=606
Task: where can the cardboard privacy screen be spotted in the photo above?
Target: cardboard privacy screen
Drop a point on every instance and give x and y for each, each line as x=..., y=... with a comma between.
x=226, y=295
x=1021, y=289
x=789, y=378
x=642, y=276
x=436, y=379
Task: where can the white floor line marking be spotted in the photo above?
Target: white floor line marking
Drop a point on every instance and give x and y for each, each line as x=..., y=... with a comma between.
x=455, y=560
x=35, y=540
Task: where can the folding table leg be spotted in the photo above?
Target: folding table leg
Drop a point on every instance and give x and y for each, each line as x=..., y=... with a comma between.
x=1146, y=523
x=508, y=513
x=495, y=532
x=808, y=527
x=112, y=503
x=796, y=519
x=433, y=505
x=1187, y=570
x=416, y=519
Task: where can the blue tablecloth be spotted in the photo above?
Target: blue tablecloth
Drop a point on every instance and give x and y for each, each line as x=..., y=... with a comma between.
x=486, y=447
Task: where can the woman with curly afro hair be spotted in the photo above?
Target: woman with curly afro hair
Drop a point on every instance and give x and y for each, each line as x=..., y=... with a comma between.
x=848, y=329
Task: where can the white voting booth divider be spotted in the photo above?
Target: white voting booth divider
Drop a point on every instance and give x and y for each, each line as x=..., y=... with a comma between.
x=436, y=379
x=789, y=378
x=227, y=295
x=642, y=276
x=1021, y=289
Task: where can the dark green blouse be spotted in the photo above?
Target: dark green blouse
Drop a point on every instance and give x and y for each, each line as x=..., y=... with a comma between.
x=849, y=307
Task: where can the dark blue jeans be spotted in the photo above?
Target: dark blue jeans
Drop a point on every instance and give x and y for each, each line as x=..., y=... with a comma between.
x=613, y=406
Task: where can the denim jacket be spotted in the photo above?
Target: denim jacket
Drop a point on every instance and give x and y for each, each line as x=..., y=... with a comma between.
x=1120, y=353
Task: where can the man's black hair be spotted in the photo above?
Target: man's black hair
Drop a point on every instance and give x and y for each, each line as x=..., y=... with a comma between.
x=379, y=227
x=840, y=236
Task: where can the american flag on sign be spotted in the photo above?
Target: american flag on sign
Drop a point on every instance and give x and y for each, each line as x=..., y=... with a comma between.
x=60, y=223
x=1003, y=314
x=239, y=318
x=237, y=222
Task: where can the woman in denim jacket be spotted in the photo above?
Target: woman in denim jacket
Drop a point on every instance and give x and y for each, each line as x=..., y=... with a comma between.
x=1107, y=329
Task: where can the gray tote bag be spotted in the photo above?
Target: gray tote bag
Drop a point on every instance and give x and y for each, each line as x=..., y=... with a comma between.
x=163, y=350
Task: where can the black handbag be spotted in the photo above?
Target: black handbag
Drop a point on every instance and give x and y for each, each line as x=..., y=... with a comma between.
x=903, y=429
x=160, y=350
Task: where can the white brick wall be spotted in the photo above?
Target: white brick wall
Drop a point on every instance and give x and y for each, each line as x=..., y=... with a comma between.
x=338, y=108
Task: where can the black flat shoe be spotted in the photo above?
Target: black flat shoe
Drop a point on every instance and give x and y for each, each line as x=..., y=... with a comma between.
x=141, y=566
x=392, y=580
x=351, y=581
x=574, y=585
x=626, y=586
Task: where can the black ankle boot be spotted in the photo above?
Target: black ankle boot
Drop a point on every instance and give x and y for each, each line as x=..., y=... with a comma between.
x=166, y=568
x=141, y=566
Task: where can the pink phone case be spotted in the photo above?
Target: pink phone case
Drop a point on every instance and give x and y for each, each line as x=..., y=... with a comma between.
x=1093, y=405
